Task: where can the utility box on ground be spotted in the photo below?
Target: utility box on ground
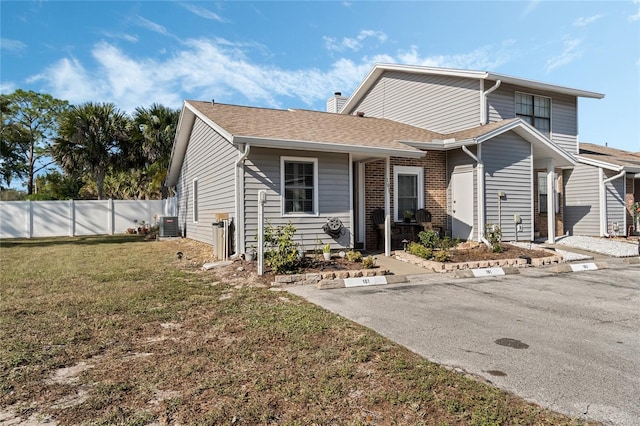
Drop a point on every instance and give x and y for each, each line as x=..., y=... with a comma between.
x=169, y=226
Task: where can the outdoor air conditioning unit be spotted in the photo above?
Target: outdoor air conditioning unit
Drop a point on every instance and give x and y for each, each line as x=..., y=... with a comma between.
x=169, y=226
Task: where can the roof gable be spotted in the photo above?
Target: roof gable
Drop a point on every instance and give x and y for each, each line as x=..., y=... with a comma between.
x=379, y=69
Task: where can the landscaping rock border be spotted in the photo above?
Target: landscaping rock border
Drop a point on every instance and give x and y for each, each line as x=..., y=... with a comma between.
x=313, y=278
x=452, y=267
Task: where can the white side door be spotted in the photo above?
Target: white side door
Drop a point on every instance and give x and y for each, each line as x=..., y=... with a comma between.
x=462, y=204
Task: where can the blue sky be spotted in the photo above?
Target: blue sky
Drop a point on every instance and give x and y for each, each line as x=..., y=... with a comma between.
x=296, y=54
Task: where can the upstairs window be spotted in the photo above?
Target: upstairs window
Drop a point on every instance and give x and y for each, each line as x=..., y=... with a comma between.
x=535, y=110
x=299, y=185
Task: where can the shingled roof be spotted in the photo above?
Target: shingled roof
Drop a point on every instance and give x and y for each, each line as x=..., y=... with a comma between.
x=312, y=126
x=616, y=157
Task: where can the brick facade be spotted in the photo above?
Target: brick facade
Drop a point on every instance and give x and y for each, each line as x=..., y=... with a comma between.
x=435, y=189
x=632, y=195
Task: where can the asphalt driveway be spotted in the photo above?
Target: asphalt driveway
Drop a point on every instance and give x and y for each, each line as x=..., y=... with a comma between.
x=569, y=342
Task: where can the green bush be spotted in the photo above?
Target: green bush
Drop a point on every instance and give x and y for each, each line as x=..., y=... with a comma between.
x=447, y=242
x=419, y=250
x=442, y=255
x=429, y=239
x=353, y=256
x=368, y=262
x=281, y=253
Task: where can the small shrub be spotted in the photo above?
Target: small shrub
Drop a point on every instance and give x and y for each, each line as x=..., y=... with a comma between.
x=442, y=256
x=326, y=248
x=429, y=239
x=368, y=262
x=447, y=242
x=353, y=256
x=282, y=254
x=419, y=250
x=493, y=234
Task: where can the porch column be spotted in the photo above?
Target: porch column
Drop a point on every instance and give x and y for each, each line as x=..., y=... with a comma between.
x=387, y=207
x=551, y=203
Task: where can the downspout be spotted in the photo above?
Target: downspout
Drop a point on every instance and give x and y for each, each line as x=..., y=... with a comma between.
x=484, y=114
x=480, y=191
x=603, y=199
x=240, y=243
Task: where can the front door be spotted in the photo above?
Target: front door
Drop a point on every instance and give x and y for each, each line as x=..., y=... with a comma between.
x=462, y=200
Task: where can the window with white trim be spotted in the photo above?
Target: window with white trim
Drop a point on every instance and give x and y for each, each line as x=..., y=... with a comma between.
x=408, y=190
x=194, y=204
x=542, y=193
x=299, y=185
x=535, y=110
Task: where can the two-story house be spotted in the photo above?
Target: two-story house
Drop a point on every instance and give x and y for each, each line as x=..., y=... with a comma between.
x=472, y=148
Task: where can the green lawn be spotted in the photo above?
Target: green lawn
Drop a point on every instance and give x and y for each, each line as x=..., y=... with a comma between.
x=155, y=340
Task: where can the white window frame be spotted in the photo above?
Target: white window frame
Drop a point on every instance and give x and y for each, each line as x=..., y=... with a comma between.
x=543, y=176
x=194, y=200
x=515, y=109
x=407, y=170
x=312, y=160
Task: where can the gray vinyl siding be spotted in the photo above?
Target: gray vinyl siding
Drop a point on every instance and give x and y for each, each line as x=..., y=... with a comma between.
x=564, y=112
x=211, y=159
x=615, y=203
x=438, y=103
x=262, y=171
x=508, y=168
x=458, y=161
x=582, y=202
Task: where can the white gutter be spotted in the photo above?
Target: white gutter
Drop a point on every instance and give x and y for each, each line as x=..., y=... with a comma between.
x=484, y=114
x=480, y=190
x=329, y=147
x=239, y=184
x=603, y=199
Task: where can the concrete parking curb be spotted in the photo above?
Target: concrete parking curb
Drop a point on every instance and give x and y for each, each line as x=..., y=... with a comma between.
x=329, y=284
x=576, y=267
x=476, y=273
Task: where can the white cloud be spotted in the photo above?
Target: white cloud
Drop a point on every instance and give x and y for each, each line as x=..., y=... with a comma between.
x=7, y=87
x=224, y=70
x=584, y=21
x=485, y=58
x=569, y=54
x=13, y=45
x=151, y=26
x=635, y=17
x=531, y=6
x=126, y=37
x=203, y=13
x=353, y=43
x=67, y=79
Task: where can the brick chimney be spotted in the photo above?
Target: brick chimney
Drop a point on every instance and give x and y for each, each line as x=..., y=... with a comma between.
x=336, y=102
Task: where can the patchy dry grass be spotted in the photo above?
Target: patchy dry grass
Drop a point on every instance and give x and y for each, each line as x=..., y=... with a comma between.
x=116, y=330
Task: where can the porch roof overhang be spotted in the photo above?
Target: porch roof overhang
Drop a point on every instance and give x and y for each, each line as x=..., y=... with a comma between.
x=634, y=170
x=543, y=147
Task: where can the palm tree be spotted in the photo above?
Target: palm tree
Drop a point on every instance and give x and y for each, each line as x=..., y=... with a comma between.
x=92, y=139
x=154, y=132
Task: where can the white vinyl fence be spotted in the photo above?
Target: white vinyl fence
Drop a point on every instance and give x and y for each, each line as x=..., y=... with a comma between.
x=27, y=219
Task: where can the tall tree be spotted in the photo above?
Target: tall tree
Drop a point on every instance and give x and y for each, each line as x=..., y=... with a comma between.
x=29, y=125
x=153, y=134
x=92, y=140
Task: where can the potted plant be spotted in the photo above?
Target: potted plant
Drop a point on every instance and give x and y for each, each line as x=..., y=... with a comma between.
x=408, y=215
x=326, y=252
